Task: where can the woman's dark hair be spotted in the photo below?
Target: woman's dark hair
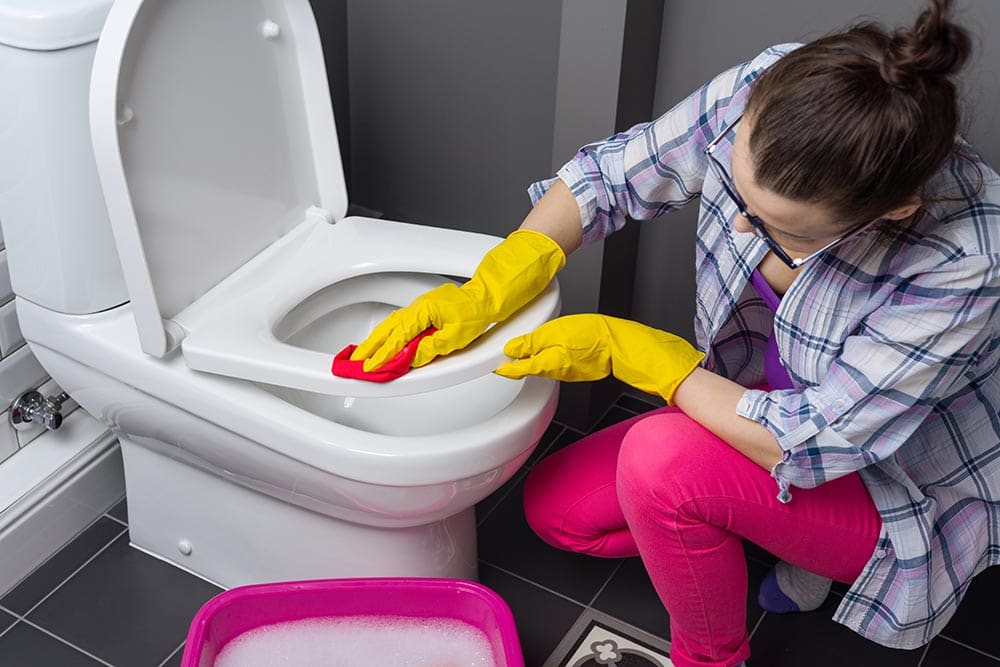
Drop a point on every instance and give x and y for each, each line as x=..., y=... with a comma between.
x=860, y=120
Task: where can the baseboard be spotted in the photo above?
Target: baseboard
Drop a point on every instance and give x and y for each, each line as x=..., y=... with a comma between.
x=63, y=481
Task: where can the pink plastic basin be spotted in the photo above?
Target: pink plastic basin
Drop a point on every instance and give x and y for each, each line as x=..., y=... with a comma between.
x=239, y=610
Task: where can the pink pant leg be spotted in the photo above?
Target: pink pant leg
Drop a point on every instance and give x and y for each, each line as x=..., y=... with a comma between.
x=570, y=499
x=683, y=501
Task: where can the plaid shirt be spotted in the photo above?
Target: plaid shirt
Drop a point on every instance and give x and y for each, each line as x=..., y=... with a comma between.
x=890, y=339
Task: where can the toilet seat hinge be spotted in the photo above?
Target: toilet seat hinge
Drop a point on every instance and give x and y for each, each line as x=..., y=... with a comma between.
x=175, y=334
x=318, y=214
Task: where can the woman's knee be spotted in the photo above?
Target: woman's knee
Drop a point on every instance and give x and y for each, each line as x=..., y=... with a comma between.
x=648, y=452
x=571, y=491
x=662, y=458
x=570, y=501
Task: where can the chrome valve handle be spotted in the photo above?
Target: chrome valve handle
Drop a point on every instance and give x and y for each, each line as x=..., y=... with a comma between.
x=32, y=408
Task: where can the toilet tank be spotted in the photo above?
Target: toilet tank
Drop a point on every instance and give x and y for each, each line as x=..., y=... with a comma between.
x=60, y=248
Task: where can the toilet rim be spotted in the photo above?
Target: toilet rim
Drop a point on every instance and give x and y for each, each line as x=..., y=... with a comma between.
x=106, y=343
x=230, y=330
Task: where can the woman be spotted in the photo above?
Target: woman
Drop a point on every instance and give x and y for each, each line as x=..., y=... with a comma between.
x=848, y=265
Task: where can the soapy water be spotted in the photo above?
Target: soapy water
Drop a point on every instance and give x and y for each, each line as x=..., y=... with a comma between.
x=361, y=641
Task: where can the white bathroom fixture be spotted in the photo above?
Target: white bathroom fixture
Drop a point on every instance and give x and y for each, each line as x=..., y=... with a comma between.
x=207, y=350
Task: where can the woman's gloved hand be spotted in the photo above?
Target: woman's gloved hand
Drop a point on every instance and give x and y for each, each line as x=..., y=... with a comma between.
x=577, y=348
x=508, y=277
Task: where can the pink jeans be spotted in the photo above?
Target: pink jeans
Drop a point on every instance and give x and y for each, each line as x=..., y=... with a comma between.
x=662, y=487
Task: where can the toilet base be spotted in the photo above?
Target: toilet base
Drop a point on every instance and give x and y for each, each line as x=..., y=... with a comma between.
x=232, y=536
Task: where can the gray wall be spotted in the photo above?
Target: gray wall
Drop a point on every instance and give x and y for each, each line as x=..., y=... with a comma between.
x=456, y=106
x=331, y=18
x=451, y=105
x=701, y=38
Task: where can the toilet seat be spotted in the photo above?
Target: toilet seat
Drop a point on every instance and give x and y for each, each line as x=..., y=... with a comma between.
x=218, y=157
x=232, y=328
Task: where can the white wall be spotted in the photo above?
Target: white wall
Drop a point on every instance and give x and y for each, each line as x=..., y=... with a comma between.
x=700, y=39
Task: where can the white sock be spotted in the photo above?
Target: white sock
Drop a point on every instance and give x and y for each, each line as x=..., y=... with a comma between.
x=805, y=589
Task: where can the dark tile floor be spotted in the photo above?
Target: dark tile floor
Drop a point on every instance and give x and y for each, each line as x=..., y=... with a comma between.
x=100, y=602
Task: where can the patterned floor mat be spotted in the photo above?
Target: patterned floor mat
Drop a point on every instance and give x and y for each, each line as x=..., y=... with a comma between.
x=598, y=640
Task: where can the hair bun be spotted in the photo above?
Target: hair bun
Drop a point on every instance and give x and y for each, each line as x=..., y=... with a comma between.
x=933, y=49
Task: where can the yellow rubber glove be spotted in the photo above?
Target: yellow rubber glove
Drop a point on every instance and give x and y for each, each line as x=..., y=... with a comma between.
x=508, y=277
x=578, y=348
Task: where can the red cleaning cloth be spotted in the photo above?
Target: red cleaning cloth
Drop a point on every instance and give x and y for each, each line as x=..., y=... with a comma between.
x=396, y=367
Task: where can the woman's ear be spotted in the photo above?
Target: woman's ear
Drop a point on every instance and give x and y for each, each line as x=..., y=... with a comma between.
x=905, y=210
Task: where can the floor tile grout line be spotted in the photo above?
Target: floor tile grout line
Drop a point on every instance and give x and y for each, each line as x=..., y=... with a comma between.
x=636, y=412
x=21, y=617
x=615, y=404
x=75, y=572
x=17, y=618
x=535, y=584
x=108, y=514
x=923, y=656
x=649, y=407
x=567, y=427
x=756, y=626
x=591, y=427
x=500, y=499
x=607, y=581
x=10, y=611
x=562, y=429
x=968, y=646
x=173, y=653
x=66, y=642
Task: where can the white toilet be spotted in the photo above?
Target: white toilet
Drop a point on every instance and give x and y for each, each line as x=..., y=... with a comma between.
x=210, y=168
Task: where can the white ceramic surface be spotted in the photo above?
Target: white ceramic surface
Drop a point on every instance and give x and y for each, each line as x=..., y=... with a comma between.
x=202, y=440
x=49, y=26
x=59, y=244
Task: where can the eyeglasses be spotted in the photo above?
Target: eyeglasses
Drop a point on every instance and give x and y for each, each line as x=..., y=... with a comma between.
x=758, y=226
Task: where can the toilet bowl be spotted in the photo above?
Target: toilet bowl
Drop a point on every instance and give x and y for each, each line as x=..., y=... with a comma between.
x=243, y=482
x=209, y=354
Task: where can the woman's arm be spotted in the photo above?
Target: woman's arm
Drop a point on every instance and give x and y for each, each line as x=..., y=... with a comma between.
x=933, y=339
x=706, y=397
x=711, y=401
x=557, y=215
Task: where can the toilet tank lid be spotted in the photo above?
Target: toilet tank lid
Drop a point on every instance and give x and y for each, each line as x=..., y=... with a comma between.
x=51, y=25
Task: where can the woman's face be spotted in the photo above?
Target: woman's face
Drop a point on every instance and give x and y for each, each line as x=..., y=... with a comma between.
x=800, y=228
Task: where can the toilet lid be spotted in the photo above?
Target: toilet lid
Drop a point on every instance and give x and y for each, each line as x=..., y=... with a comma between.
x=214, y=135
